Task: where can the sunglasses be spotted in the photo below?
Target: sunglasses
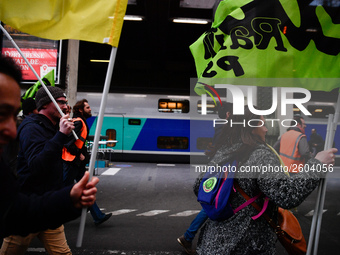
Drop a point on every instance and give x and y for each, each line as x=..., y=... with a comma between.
x=61, y=102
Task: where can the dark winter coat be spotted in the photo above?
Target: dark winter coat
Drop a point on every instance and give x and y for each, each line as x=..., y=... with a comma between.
x=21, y=214
x=240, y=234
x=316, y=141
x=40, y=166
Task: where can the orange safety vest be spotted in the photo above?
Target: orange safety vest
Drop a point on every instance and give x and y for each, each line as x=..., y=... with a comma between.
x=289, y=151
x=67, y=156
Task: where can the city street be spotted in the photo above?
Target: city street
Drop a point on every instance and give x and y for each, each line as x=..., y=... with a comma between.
x=153, y=204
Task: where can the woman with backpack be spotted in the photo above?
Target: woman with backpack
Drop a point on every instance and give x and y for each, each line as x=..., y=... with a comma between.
x=259, y=170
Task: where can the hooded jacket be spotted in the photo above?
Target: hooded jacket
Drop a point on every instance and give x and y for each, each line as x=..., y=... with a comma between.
x=21, y=214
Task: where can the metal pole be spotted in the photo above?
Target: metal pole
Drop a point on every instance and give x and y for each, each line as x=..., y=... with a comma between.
x=35, y=73
x=317, y=217
x=313, y=227
x=319, y=194
x=97, y=136
x=323, y=183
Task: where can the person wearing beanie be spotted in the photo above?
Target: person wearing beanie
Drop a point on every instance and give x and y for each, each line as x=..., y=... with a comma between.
x=40, y=167
x=42, y=98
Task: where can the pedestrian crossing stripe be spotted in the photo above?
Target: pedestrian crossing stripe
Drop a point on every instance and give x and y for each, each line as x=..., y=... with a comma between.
x=311, y=213
x=185, y=213
x=160, y=165
x=153, y=213
x=111, y=171
x=32, y=249
x=123, y=211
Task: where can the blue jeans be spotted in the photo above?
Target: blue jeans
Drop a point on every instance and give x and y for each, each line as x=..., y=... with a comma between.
x=71, y=174
x=195, y=225
x=96, y=213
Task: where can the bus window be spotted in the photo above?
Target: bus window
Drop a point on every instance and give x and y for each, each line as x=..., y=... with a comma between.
x=173, y=105
x=171, y=142
x=211, y=107
x=112, y=135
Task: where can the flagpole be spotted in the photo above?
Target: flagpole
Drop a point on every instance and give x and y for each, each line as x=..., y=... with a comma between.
x=35, y=73
x=97, y=136
x=319, y=195
x=318, y=211
x=329, y=141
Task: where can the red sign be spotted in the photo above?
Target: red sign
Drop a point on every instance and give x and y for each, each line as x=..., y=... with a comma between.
x=42, y=60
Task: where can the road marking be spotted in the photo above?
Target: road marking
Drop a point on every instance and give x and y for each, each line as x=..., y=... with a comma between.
x=180, y=214
x=123, y=211
x=311, y=213
x=185, y=213
x=111, y=171
x=36, y=250
x=123, y=165
x=159, y=165
x=152, y=213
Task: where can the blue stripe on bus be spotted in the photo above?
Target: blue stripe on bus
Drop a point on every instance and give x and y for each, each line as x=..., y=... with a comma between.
x=153, y=128
x=200, y=129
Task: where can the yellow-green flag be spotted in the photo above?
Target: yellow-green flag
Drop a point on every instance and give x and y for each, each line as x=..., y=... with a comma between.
x=271, y=39
x=98, y=21
x=48, y=79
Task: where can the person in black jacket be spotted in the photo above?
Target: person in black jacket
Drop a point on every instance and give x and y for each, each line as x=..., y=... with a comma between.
x=76, y=157
x=316, y=142
x=23, y=212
